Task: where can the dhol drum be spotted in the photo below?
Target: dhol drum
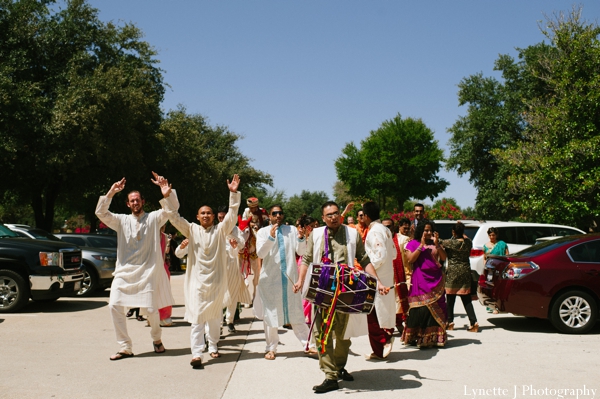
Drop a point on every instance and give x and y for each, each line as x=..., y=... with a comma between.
x=355, y=289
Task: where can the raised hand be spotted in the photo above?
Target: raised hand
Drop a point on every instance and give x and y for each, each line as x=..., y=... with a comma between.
x=165, y=187
x=234, y=184
x=116, y=187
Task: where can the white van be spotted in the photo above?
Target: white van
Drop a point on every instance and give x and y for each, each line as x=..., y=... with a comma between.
x=516, y=235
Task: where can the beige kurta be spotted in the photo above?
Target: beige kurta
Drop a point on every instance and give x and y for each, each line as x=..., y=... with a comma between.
x=236, y=286
x=140, y=279
x=206, y=272
x=382, y=251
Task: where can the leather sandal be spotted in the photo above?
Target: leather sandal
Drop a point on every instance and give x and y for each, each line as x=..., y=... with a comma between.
x=215, y=355
x=121, y=355
x=270, y=355
x=450, y=326
x=157, y=347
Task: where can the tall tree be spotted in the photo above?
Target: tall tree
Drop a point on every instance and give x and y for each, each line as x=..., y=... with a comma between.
x=556, y=166
x=307, y=202
x=399, y=160
x=80, y=102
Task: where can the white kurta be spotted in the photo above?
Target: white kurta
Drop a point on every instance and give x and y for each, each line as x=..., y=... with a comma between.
x=278, y=303
x=236, y=286
x=382, y=251
x=140, y=279
x=206, y=272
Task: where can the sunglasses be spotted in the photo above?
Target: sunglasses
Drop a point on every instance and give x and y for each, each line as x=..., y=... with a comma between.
x=276, y=213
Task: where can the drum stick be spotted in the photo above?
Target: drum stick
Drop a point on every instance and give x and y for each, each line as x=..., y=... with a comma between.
x=397, y=284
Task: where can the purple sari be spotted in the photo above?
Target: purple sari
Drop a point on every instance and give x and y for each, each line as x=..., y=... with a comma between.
x=426, y=322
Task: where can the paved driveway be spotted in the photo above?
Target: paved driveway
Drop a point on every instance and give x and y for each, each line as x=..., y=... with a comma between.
x=61, y=350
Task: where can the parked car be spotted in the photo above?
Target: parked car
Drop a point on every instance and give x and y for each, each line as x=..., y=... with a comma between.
x=557, y=280
x=516, y=235
x=106, y=241
x=38, y=269
x=98, y=264
x=444, y=226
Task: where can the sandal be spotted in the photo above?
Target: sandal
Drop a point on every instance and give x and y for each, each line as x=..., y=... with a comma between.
x=270, y=355
x=474, y=328
x=141, y=318
x=121, y=355
x=215, y=355
x=450, y=326
x=130, y=313
x=158, y=346
x=197, y=363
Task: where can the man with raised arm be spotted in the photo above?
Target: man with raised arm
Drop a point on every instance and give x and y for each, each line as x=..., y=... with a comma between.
x=140, y=279
x=206, y=271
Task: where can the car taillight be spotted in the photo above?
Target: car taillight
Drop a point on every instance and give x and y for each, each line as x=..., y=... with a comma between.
x=476, y=252
x=516, y=270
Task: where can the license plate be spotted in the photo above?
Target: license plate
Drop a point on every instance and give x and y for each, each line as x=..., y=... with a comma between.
x=77, y=286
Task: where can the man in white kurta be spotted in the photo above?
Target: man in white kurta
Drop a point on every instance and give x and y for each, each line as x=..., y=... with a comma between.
x=237, y=291
x=140, y=279
x=382, y=251
x=277, y=245
x=206, y=271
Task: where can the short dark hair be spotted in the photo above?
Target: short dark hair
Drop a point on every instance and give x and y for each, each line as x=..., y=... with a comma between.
x=371, y=209
x=421, y=228
x=419, y=205
x=404, y=221
x=222, y=208
x=459, y=229
x=329, y=203
x=135, y=191
x=275, y=206
x=388, y=220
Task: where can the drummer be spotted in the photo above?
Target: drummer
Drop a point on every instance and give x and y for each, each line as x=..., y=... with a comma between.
x=344, y=246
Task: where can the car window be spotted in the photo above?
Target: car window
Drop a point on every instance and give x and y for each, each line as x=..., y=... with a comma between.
x=543, y=247
x=511, y=235
x=444, y=229
x=586, y=252
x=470, y=231
x=74, y=240
x=532, y=233
x=101, y=242
x=563, y=231
x=6, y=232
x=43, y=234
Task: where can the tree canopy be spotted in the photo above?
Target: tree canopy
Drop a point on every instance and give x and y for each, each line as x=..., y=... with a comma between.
x=530, y=143
x=399, y=160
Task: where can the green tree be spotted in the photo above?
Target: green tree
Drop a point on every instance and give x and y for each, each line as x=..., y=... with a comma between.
x=307, y=202
x=556, y=167
x=399, y=160
x=79, y=103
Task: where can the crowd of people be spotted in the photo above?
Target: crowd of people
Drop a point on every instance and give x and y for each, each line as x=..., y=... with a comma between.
x=259, y=261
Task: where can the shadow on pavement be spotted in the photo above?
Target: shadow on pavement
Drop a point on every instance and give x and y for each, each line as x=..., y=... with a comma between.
x=382, y=380
x=529, y=325
x=64, y=305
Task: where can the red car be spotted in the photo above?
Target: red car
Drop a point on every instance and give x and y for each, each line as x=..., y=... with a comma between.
x=557, y=280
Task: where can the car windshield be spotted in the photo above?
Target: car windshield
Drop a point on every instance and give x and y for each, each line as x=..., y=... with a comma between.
x=43, y=234
x=546, y=246
x=6, y=232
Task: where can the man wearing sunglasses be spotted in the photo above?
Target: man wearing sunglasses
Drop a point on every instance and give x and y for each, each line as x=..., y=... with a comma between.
x=277, y=245
x=362, y=226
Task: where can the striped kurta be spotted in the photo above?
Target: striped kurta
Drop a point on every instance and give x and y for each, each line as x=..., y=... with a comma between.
x=280, y=304
x=236, y=286
x=206, y=272
x=140, y=279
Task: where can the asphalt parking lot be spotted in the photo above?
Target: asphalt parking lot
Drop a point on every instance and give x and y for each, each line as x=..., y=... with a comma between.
x=62, y=349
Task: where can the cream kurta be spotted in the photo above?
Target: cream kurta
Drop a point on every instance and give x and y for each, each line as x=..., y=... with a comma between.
x=236, y=286
x=140, y=279
x=279, y=307
x=206, y=272
x=382, y=251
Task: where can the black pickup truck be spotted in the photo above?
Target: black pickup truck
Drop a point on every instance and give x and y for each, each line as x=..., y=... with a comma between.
x=37, y=269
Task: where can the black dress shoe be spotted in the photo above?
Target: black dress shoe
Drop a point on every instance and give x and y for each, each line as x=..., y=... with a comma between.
x=231, y=327
x=326, y=386
x=343, y=374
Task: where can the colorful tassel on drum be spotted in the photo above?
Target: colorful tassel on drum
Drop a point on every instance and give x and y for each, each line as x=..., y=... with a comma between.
x=330, y=315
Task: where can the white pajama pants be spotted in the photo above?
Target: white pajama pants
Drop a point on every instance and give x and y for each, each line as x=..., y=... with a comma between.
x=230, y=313
x=119, y=319
x=272, y=336
x=213, y=333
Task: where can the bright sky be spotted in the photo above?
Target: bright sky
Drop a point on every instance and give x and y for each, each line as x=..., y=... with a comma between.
x=300, y=79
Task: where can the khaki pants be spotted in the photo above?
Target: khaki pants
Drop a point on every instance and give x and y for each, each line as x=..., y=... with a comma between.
x=335, y=357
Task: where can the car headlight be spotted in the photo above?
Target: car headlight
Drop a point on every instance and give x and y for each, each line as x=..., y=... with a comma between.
x=51, y=259
x=105, y=258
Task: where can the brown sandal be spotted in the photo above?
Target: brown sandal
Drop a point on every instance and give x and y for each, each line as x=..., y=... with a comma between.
x=157, y=347
x=215, y=355
x=121, y=355
x=270, y=355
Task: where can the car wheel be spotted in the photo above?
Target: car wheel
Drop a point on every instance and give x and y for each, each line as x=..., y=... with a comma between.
x=574, y=312
x=89, y=284
x=14, y=292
